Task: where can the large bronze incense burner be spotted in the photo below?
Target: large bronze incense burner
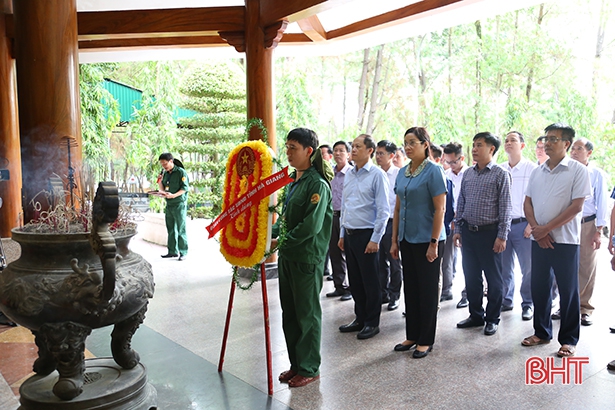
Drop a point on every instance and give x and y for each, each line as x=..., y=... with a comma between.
x=66, y=284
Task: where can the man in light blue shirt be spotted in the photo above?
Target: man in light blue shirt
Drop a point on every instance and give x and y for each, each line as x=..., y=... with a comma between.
x=365, y=213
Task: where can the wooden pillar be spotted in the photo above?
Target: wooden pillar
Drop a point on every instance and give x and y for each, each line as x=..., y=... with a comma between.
x=259, y=43
x=10, y=191
x=259, y=69
x=48, y=93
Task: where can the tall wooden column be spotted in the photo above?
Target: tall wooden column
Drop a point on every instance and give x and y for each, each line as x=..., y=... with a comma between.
x=10, y=191
x=47, y=58
x=259, y=43
x=259, y=71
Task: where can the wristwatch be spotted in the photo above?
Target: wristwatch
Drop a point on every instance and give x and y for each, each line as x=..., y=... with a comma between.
x=434, y=240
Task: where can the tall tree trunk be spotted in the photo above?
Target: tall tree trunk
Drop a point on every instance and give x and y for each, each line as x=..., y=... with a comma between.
x=374, y=103
x=604, y=16
x=415, y=82
x=450, y=58
x=420, y=79
x=530, y=76
x=344, y=102
x=497, y=107
x=514, y=50
x=478, y=76
x=362, y=100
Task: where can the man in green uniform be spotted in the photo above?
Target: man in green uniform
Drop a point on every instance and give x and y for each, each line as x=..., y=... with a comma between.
x=174, y=186
x=307, y=215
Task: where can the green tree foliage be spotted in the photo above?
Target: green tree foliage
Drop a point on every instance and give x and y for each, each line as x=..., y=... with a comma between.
x=99, y=114
x=216, y=92
x=521, y=70
x=294, y=104
x=152, y=129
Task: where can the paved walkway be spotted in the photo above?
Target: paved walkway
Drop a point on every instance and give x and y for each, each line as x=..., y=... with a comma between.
x=181, y=337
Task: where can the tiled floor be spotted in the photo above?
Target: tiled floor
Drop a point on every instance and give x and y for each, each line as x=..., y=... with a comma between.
x=181, y=337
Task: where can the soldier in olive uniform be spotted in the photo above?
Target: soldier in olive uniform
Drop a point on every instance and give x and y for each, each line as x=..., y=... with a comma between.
x=307, y=214
x=174, y=186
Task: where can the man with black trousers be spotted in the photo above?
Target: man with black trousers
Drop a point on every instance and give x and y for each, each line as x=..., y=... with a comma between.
x=553, y=204
x=390, y=267
x=365, y=212
x=482, y=224
x=341, y=151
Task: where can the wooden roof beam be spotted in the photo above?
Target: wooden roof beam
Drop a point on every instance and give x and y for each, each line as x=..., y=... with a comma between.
x=389, y=19
x=312, y=27
x=152, y=42
x=159, y=23
x=293, y=10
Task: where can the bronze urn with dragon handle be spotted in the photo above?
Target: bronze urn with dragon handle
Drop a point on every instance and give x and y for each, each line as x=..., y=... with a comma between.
x=66, y=284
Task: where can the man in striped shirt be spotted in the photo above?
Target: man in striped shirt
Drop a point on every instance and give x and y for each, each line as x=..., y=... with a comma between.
x=481, y=225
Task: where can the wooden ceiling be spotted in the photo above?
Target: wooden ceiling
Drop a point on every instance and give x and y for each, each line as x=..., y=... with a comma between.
x=177, y=28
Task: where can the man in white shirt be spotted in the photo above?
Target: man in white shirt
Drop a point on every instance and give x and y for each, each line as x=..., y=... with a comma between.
x=595, y=210
x=553, y=204
x=390, y=268
x=519, y=242
x=453, y=158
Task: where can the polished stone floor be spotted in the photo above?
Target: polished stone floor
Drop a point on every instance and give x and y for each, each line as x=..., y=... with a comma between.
x=180, y=341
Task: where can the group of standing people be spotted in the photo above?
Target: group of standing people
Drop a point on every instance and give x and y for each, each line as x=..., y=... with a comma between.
x=368, y=218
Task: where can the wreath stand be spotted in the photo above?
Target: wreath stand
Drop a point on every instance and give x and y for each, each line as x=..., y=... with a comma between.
x=264, y=188
x=267, y=332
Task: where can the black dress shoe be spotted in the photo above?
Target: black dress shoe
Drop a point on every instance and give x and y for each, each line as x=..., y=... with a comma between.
x=463, y=303
x=491, y=328
x=346, y=296
x=417, y=354
x=612, y=329
x=335, y=293
x=444, y=298
x=330, y=277
x=400, y=347
x=353, y=326
x=506, y=308
x=556, y=316
x=368, y=332
x=393, y=304
x=169, y=255
x=470, y=322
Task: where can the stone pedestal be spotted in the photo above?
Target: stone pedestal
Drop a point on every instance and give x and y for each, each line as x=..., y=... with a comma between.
x=107, y=386
x=153, y=228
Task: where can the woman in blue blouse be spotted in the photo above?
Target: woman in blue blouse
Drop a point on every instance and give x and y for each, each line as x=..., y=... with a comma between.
x=418, y=232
